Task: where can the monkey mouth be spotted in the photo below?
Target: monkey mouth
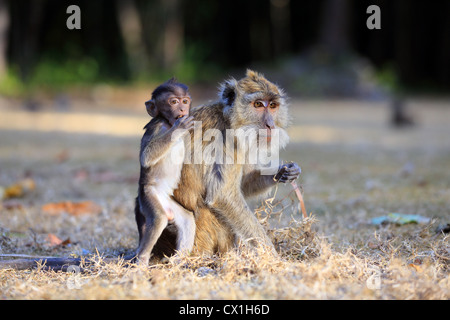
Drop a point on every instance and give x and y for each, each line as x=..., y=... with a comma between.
x=180, y=116
x=267, y=135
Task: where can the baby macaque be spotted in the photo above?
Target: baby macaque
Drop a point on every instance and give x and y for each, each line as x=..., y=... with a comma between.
x=160, y=173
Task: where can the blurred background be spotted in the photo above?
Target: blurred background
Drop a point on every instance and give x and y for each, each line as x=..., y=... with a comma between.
x=314, y=48
x=370, y=108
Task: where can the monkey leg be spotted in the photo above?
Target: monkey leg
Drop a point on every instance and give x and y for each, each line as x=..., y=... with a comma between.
x=185, y=223
x=211, y=235
x=140, y=219
x=242, y=220
x=155, y=222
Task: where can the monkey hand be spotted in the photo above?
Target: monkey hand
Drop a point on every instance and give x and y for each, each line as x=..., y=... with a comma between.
x=287, y=172
x=181, y=127
x=185, y=122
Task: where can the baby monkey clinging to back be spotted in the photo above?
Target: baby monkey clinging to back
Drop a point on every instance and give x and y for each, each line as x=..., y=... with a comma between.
x=160, y=174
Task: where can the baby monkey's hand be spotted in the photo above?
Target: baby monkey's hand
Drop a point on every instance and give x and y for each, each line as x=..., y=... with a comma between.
x=185, y=122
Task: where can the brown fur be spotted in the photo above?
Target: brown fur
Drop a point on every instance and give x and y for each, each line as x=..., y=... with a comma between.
x=216, y=193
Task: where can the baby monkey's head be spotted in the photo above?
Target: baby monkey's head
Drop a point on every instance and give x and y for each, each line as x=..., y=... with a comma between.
x=171, y=101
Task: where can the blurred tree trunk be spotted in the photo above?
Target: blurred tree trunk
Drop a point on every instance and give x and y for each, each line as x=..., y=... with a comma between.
x=253, y=19
x=334, y=36
x=27, y=34
x=403, y=41
x=172, y=34
x=444, y=70
x=131, y=29
x=280, y=18
x=4, y=25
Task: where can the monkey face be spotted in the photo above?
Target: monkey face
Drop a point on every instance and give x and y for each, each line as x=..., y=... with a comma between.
x=175, y=107
x=255, y=102
x=171, y=105
x=265, y=110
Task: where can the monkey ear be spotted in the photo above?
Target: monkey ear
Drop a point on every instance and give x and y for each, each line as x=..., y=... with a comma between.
x=152, y=110
x=227, y=91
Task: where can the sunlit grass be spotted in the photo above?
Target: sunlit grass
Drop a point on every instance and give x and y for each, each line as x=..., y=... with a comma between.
x=354, y=167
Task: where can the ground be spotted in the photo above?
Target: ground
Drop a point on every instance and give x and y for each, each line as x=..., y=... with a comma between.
x=355, y=167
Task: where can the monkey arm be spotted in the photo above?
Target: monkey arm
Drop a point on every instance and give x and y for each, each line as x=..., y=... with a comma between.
x=154, y=149
x=229, y=203
x=254, y=183
x=155, y=145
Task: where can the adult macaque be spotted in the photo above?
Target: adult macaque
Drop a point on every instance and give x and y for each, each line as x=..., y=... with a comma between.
x=217, y=192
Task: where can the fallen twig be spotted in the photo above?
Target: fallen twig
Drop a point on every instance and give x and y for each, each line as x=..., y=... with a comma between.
x=23, y=256
x=300, y=198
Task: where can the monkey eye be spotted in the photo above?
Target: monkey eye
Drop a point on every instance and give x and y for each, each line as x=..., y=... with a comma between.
x=258, y=104
x=174, y=101
x=273, y=105
x=186, y=101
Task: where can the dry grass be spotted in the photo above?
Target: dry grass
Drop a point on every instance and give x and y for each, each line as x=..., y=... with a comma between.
x=361, y=170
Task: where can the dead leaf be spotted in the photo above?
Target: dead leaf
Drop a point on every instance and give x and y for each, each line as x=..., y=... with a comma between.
x=72, y=208
x=54, y=241
x=66, y=242
x=18, y=189
x=416, y=267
